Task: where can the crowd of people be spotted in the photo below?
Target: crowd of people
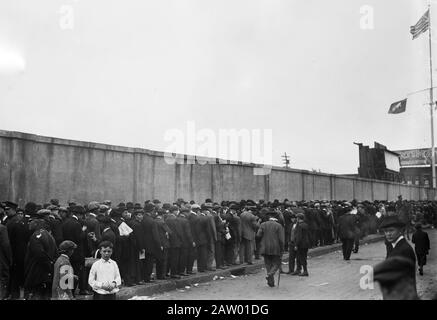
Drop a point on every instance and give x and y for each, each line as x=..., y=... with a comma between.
x=156, y=241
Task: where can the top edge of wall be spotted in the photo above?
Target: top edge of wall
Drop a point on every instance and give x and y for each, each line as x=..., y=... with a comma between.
x=106, y=147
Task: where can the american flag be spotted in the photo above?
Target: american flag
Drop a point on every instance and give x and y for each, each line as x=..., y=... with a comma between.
x=421, y=26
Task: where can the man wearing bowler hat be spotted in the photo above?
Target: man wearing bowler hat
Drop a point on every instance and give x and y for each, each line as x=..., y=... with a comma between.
x=396, y=244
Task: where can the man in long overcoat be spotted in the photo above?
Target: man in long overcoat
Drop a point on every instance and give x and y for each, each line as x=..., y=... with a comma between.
x=421, y=246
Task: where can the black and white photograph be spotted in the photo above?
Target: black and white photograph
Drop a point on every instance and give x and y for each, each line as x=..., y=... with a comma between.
x=231, y=152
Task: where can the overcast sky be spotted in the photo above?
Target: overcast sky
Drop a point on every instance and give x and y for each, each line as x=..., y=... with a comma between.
x=129, y=71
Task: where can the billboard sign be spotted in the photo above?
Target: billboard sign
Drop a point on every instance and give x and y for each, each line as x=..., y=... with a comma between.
x=415, y=157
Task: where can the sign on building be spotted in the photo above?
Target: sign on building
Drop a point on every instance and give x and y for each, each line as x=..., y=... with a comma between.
x=415, y=157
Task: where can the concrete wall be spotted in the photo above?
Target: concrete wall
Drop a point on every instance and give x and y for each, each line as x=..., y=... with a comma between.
x=36, y=168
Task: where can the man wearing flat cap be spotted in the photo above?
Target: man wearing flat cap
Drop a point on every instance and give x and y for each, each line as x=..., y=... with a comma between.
x=397, y=278
x=38, y=263
x=396, y=244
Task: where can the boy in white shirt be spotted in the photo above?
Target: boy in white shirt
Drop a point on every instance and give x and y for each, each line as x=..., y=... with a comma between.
x=104, y=276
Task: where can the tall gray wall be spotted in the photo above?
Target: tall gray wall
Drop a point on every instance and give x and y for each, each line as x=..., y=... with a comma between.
x=36, y=168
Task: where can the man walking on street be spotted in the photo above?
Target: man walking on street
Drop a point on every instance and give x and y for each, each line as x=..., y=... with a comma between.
x=421, y=246
x=346, y=231
x=271, y=233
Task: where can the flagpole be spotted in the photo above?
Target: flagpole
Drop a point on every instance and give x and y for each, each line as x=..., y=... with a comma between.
x=431, y=101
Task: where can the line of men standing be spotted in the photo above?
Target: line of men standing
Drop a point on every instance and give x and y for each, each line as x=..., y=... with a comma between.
x=167, y=238
x=170, y=238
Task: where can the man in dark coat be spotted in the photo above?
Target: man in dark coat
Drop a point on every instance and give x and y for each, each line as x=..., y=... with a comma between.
x=152, y=243
x=137, y=243
x=271, y=233
x=360, y=217
x=396, y=243
x=292, y=249
x=164, y=238
x=421, y=246
x=5, y=261
x=92, y=228
x=201, y=236
x=122, y=247
x=55, y=224
x=18, y=233
x=39, y=262
x=187, y=241
x=107, y=232
x=176, y=239
x=346, y=231
x=74, y=230
x=220, y=227
x=287, y=221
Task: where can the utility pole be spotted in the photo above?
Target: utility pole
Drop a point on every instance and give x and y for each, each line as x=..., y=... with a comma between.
x=286, y=160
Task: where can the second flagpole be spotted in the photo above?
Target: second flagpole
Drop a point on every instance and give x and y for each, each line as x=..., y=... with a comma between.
x=431, y=102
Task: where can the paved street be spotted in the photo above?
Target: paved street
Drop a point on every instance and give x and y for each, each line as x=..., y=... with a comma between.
x=330, y=278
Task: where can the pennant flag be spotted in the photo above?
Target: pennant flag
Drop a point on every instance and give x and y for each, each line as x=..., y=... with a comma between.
x=421, y=26
x=398, y=107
